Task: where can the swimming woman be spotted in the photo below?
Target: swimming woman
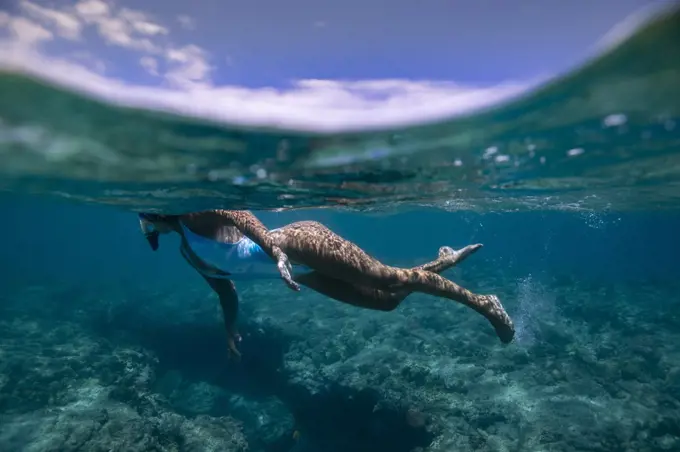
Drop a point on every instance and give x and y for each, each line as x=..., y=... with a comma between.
x=226, y=245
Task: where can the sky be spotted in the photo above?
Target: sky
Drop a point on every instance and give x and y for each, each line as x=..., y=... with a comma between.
x=321, y=64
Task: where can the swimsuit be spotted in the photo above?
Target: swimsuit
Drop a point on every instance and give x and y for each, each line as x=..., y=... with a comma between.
x=242, y=260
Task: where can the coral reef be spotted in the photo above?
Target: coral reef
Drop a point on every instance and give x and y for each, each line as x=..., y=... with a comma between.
x=592, y=369
x=64, y=390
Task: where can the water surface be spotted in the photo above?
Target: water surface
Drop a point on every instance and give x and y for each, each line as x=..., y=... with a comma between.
x=601, y=136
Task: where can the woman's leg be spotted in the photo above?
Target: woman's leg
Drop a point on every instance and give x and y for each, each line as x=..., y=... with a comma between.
x=317, y=247
x=226, y=291
x=377, y=299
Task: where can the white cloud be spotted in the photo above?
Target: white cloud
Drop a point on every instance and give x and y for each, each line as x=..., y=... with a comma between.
x=125, y=27
x=27, y=32
x=4, y=19
x=141, y=24
x=92, y=9
x=67, y=25
x=308, y=105
x=186, y=22
x=119, y=32
x=149, y=64
x=189, y=67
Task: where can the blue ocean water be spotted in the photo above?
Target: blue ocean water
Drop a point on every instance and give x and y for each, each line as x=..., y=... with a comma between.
x=96, y=324
x=572, y=190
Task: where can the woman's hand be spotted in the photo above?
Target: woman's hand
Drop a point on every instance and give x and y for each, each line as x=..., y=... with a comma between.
x=285, y=268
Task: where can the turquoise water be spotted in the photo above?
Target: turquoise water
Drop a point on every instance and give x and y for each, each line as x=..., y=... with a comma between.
x=572, y=188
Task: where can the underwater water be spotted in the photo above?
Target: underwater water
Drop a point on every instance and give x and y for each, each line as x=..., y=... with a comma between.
x=573, y=190
x=106, y=345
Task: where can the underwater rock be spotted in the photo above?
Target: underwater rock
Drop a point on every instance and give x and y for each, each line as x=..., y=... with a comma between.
x=557, y=392
x=266, y=422
x=319, y=375
x=65, y=391
x=196, y=398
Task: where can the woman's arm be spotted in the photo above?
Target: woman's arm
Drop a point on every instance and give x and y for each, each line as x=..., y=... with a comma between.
x=250, y=226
